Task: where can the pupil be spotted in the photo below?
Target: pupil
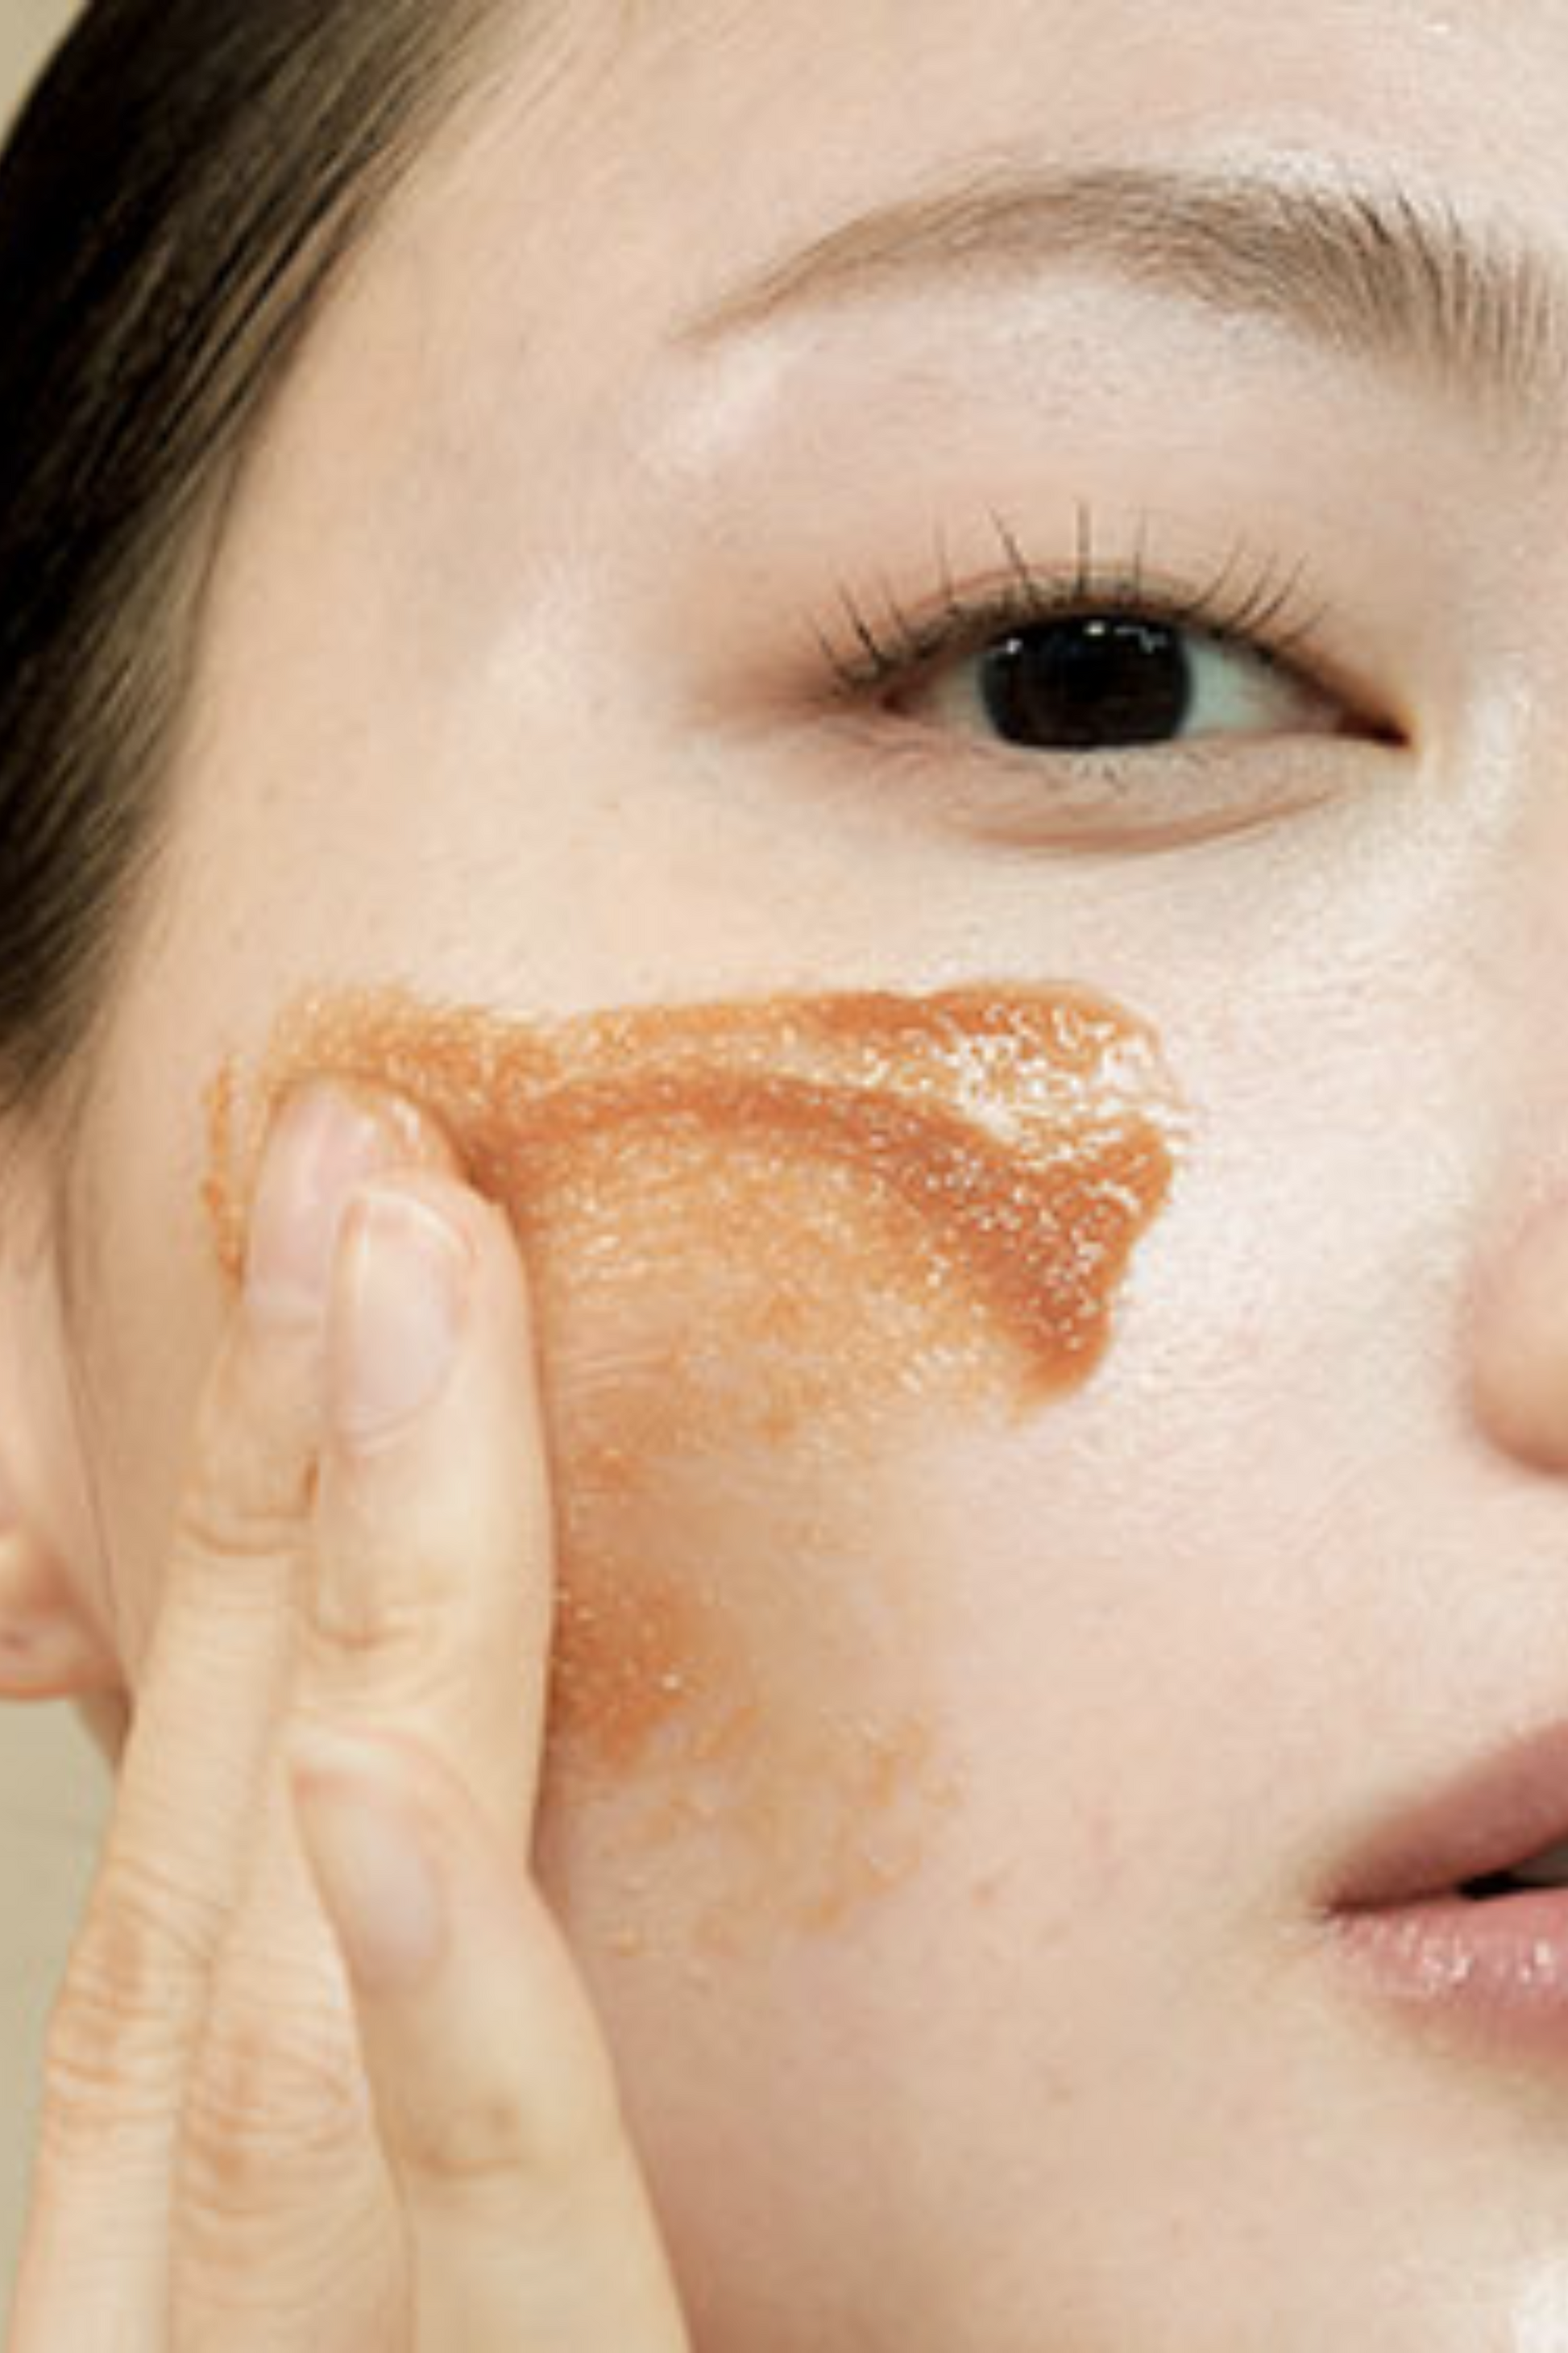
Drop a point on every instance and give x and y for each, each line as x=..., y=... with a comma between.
x=1089, y=685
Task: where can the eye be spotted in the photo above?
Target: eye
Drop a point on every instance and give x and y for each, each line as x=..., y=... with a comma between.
x=1102, y=706
x=1103, y=664
x=1113, y=681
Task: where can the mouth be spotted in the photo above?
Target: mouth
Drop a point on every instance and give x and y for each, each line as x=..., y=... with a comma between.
x=1459, y=1904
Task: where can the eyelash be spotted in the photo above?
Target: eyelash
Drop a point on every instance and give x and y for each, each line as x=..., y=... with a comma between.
x=1247, y=606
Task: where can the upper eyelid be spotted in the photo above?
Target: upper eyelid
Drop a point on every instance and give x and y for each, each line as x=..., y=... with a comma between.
x=968, y=617
x=1247, y=600
x=1027, y=589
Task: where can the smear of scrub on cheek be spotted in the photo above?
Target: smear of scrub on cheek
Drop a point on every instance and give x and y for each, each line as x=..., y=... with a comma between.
x=771, y=1242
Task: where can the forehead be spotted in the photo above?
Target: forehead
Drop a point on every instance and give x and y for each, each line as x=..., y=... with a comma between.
x=748, y=125
x=626, y=167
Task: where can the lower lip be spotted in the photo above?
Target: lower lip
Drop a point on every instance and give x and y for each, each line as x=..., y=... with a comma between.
x=1499, y=1966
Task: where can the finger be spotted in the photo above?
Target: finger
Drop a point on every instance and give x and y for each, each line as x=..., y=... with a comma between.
x=95, y=2263
x=528, y=2219
x=431, y=1602
x=426, y=1603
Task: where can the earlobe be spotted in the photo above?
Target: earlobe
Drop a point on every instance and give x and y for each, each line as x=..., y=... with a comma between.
x=55, y=1644
x=50, y=1647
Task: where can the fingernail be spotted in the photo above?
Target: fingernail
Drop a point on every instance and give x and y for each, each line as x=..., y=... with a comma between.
x=381, y=1890
x=397, y=1315
x=322, y=1146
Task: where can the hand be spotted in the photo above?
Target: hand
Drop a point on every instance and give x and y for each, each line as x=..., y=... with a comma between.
x=343, y=2093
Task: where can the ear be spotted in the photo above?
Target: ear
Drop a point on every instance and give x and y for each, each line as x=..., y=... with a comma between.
x=55, y=1641
x=51, y=1645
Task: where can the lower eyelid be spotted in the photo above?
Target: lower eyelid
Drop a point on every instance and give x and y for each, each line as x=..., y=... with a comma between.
x=1073, y=803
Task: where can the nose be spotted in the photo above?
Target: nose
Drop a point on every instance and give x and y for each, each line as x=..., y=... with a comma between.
x=1518, y=1339
x=1517, y=1076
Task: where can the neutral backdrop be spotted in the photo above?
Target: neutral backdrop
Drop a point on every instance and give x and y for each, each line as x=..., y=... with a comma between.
x=53, y=1789
x=27, y=30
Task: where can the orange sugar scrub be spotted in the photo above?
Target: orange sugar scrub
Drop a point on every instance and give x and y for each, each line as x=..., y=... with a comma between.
x=770, y=1241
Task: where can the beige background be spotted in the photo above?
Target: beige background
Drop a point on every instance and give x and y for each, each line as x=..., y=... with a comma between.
x=52, y=1786
x=27, y=29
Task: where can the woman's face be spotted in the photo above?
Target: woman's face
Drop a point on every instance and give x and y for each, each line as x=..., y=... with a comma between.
x=956, y=1906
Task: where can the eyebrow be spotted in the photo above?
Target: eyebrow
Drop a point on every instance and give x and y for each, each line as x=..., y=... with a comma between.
x=1374, y=272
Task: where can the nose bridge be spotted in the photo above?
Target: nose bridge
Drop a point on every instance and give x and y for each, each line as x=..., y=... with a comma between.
x=1522, y=901
x=1517, y=1331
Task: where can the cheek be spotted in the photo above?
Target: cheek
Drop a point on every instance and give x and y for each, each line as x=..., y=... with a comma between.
x=748, y=1669
x=779, y=1250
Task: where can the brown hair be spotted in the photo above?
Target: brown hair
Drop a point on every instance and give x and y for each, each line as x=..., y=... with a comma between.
x=175, y=200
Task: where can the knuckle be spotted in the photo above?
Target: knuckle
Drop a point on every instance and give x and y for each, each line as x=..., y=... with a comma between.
x=395, y=1619
x=223, y=1518
x=253, y=1466
x=501, y=2139
x=114, y=2038
x=268, y=2103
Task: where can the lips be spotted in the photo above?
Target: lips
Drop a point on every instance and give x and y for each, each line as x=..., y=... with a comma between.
x=1497, y=1962
x=1492, y=1817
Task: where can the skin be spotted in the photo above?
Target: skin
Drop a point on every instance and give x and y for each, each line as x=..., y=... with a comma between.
x=1088, y=2075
